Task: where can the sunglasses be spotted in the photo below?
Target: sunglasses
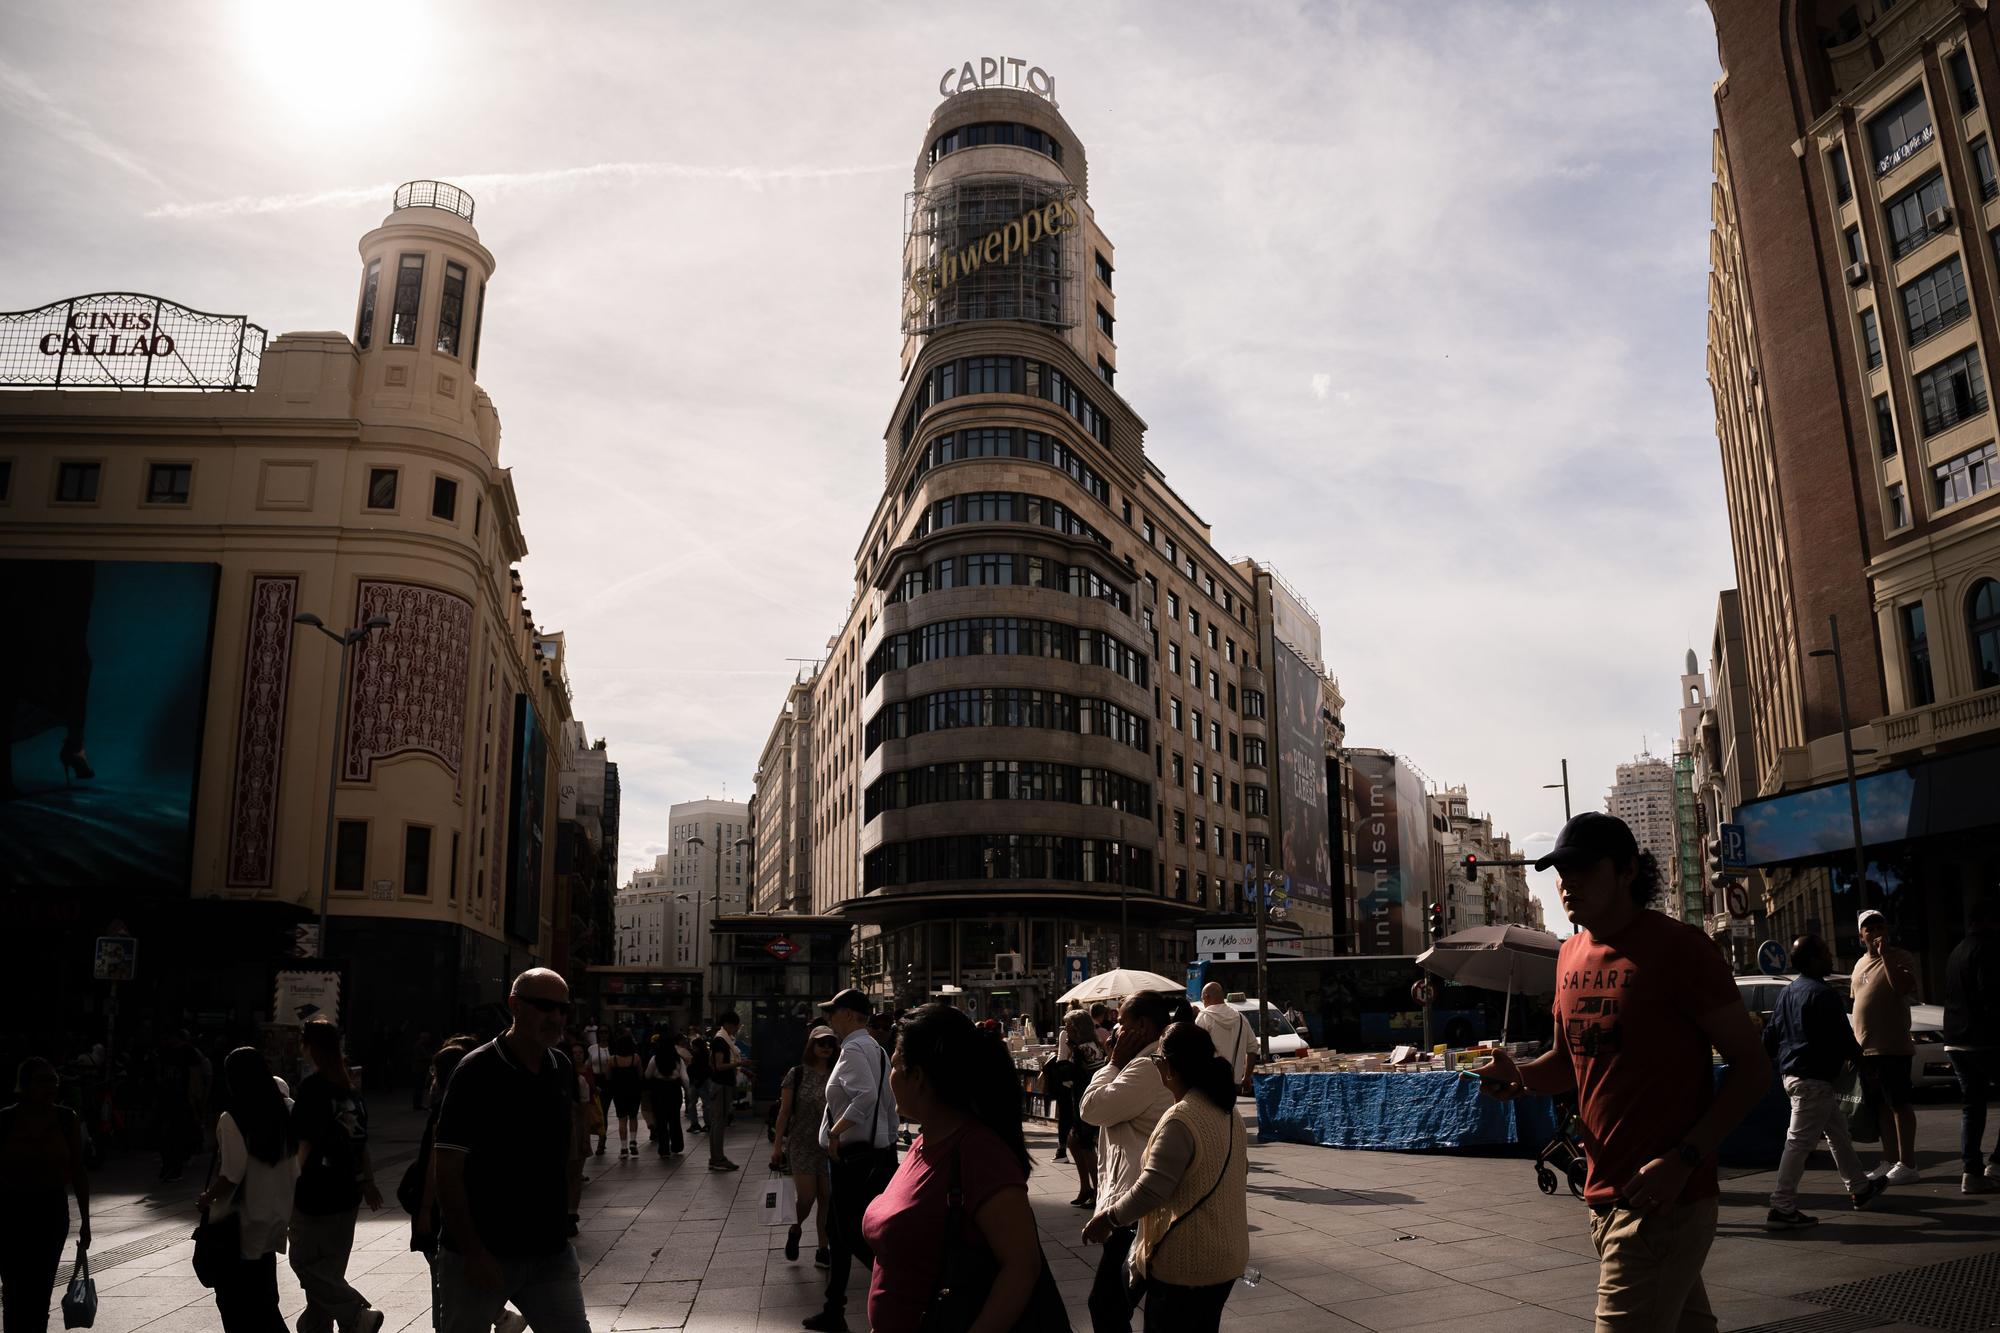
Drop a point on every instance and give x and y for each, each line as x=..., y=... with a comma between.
x=546, y=1006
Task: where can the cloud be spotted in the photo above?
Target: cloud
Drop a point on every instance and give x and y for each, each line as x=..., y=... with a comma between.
x=350, y=196
x=1321, y=383
x=20, y=94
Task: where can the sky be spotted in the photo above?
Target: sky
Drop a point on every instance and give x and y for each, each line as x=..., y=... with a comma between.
x=1412, y=298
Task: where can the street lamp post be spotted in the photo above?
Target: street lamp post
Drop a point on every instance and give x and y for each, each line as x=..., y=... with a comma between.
x=1848, y=752
x=346, y=641
x=1564, y=784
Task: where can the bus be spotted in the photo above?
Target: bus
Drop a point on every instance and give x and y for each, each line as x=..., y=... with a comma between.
x=1362, y=1002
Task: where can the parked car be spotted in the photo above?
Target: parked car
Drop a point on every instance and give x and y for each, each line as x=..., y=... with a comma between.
x=1930, y=1067
x=1286, y=1040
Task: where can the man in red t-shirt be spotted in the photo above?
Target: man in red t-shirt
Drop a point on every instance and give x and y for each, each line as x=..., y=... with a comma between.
x=1640, y=1000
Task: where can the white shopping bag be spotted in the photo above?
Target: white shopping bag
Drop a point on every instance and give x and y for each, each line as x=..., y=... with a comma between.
x=780, y=1202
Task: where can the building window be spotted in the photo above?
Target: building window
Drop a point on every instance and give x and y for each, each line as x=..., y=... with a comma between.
x=451, y=875
x=381, y=488
x=416, y=859
x=1936, y=300
x=1253, y=751
x=6, y=479
x=1103, y=269
x=478, y=513
x=1962, y=82
x=1125, y=513
x=1106, y=371
x=1256, y=800
x=1146, y=531
x=1885, y=426
x=364, y=325
x=444, y=498
x=1982, y=168
x=451, y=308
x=1871, y=337
x=1253, y=703
x=1855, y=252
x=350, y=856
x=1180, y=826
x=1173, y=659
x=76, y=483
x=1843, y=187
x=1917, y=654
x=1900, y=130
x=1951, y=391
x=1899, y=508
x=1104, y=321
x=1982, y=617
x=478, y=318
x=1174, y=607
x=1965, y=476
x=1905, y=214
x=167, y=483
x=409, y=288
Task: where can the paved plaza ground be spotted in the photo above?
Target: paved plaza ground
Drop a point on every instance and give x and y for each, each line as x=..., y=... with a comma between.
x=1345, y=1240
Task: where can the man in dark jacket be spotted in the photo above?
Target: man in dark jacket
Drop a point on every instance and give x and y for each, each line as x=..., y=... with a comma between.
x=1972, y=1037
x=1810, y=1039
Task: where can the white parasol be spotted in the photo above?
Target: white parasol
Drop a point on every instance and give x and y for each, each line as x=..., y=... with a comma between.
x=1118, y=984
x=1509, y=958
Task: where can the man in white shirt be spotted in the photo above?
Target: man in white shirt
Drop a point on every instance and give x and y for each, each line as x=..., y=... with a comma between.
x=858, y=1131
x=1226, y=1028
x=1125, y=1099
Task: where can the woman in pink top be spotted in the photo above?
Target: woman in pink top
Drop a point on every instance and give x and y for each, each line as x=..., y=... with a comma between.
x=959, y=1084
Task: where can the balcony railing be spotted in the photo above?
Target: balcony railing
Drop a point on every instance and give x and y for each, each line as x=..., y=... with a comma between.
x=1936, y=723
x=434, y=194
x=1888, y=162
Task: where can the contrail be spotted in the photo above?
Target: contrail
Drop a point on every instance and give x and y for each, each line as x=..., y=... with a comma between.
x=349, y=196
x=19, y=92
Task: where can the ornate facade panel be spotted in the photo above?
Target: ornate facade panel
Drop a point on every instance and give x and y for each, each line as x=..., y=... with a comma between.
x=408, y=684
x=260, y=732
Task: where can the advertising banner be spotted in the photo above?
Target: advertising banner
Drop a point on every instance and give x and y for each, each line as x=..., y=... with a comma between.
x=1392, y=853
x=527, y=798
x=102, y=691
x=1300, y=771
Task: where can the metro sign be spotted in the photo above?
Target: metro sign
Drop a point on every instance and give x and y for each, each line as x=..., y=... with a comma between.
x=781, y=949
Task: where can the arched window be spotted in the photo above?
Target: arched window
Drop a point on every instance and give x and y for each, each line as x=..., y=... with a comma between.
x=1982, y=615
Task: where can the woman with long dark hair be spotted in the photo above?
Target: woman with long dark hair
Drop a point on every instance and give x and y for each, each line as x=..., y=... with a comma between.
x=795, y=1146
x=1191, y=1200
x=255, y=1172
x=959, y=1084
x=330, y=1122
x=623, y=1072
x=41, y=1164
x=1086, y=1057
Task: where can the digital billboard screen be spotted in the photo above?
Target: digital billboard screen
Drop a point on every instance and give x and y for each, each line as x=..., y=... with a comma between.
x=102, y=693
x=1301, y=775
x=529, y=784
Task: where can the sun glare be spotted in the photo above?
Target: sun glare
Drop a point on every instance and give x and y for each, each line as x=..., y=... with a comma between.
x=319, y=61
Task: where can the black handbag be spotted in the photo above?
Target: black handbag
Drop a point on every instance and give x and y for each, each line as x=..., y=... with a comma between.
x=966, y=1275
x=218, y=1246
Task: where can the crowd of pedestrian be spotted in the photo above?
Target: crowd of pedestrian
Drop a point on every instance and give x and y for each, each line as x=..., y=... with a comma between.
x=1144, y=1096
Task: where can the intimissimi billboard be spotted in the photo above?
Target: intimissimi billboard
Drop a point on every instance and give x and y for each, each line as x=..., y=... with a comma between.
x=1392, y=858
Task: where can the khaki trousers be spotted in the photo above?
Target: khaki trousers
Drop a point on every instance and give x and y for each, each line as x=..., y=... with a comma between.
x=1649, y=1268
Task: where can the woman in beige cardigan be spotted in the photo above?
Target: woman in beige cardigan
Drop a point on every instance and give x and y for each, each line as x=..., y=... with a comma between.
x=1190, y=1201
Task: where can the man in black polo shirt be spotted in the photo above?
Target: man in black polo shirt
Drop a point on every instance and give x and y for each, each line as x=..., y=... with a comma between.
x=502, y=1154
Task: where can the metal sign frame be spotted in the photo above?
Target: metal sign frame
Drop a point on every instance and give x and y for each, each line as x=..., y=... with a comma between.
x=128, y=340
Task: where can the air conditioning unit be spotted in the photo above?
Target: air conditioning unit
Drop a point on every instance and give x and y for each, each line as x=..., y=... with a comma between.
x=1007, y=965
x=1938, y=218
x=1857, y=274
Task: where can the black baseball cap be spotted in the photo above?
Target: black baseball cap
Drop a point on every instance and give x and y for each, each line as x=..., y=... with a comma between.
x=850, y=999
x=1591, y=836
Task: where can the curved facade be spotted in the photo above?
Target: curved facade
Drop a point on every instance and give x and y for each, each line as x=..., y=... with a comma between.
x=1039, y=719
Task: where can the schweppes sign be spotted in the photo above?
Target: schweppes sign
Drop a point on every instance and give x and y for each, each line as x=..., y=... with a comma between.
x=1005, y=244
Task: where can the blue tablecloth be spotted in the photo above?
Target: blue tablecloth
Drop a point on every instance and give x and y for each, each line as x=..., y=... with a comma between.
x=1411, y=1112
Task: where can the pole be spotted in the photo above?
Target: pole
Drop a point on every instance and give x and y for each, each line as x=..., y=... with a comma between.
x=1124, y=937
x=1847, y=752
x=1262, y=908
x=1566, y=791
x=332, y=786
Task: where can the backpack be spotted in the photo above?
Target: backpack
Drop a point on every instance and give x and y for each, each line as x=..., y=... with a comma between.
x=698, y=1061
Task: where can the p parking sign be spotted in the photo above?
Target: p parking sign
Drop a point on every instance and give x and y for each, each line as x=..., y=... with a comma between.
x=116, y=958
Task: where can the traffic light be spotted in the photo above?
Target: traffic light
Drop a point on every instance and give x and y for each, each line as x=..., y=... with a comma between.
x=1471, y=869
x=1437, y=920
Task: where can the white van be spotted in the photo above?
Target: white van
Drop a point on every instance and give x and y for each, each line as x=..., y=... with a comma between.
x=1286, y=1040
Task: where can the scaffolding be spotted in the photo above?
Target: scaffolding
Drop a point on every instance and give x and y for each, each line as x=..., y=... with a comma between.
x=947, y=276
